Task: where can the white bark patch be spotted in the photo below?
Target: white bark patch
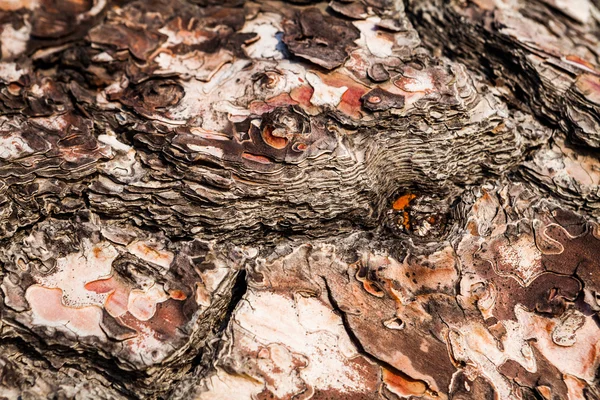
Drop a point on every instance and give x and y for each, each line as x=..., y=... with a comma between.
x=523, y=258
x=148, y=252
x=113, y=142
x=475, y=345
x=309, y=330
x=373, y=39
x=13, y=147
x=11, y=72
x=210, y=150
x=223, y=386
x=142, y=304
x=324, y=95
x=185, y=65
x=269, y=46
x=581, y=10
x=565, y=332
x=76, y=269
x=14, y=41
x=581, y=358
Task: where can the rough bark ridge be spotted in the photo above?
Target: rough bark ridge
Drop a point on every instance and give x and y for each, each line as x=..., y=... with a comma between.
x=360, y=199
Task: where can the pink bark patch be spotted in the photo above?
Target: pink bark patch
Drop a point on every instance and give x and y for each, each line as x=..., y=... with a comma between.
x=118, y=295
x=47, y=309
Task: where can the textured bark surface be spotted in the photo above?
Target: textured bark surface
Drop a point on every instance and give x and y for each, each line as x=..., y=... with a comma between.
x=360, y=199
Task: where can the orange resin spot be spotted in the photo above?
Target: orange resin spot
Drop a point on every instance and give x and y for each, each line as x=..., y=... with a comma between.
x=276, y=142
x=403, y=386
x=177, y=295
x=403, y=201
x=255, y=158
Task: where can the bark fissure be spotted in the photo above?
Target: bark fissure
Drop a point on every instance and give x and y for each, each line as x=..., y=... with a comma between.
x=360, y=347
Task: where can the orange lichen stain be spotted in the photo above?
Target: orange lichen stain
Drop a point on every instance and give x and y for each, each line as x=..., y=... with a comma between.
x=301, y=146
x=486, y=195
x=373, y=288
x=14, y=89
x=400, y=204
x=102, y=253
x=276, y=142
x=499, y=128
x=97, y=251
x=403, y=201
x=402, y=386
x=545, y=392
x=256, y=158
x=406, y=220
x=22, y=264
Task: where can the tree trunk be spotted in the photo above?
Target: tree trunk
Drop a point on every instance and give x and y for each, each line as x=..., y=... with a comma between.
x=370, y=199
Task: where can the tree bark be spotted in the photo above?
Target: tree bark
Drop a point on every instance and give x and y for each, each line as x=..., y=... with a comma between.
x=360, y=199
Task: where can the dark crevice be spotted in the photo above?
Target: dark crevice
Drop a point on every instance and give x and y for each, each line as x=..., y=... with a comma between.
x=200, y=365
x=240, y=287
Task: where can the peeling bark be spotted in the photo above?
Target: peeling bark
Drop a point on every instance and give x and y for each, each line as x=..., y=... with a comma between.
x=360, y=199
